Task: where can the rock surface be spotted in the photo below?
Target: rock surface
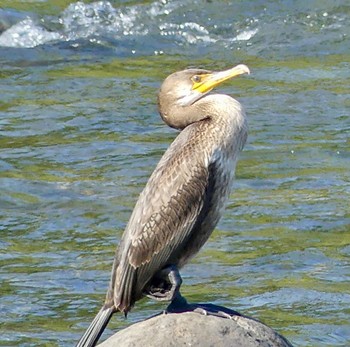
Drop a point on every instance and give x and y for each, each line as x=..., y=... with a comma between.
x=195, y=329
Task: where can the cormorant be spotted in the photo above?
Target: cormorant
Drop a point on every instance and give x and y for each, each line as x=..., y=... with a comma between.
x=183, y=199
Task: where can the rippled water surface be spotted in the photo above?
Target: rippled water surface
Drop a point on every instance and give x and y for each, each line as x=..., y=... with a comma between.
x=80, y=134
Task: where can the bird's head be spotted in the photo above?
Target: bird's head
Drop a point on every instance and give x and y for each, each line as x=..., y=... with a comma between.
x=181, y=90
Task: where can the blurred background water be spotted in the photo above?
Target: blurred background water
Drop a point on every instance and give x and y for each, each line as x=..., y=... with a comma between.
x=80, y=134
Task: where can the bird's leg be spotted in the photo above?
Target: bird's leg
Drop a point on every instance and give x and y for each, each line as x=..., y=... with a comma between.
x=165, y=285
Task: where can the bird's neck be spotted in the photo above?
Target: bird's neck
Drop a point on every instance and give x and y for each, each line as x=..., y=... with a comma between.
x=226, y=120
x=218, y=108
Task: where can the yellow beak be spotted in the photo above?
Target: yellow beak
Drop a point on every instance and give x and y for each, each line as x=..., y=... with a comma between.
x=211, y=80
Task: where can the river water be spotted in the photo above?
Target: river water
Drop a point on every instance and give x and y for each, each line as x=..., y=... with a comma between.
x=80, y=135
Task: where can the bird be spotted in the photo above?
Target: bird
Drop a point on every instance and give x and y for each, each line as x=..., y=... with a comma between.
x=184, y=197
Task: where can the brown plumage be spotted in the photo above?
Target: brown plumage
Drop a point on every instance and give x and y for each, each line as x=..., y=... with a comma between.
x=185, y=195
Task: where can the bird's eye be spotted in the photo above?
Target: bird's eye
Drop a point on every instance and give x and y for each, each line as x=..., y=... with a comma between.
x=196, y=78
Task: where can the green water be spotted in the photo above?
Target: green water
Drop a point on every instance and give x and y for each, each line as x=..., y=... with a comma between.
x=80, y=135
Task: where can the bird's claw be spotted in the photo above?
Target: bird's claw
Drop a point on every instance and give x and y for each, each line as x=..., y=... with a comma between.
x=215, y=313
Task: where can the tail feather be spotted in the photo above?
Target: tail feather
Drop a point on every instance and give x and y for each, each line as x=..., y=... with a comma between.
x=96, y=328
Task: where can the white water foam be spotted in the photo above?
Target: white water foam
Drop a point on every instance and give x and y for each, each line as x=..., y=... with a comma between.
x=162, y=19
x=245, y=35
x=27, y=34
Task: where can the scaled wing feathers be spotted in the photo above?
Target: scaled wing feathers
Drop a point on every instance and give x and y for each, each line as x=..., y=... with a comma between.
x=162, y=220
x=172, y=222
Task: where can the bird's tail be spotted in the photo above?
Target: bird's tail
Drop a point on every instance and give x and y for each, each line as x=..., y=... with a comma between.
x=95, y=330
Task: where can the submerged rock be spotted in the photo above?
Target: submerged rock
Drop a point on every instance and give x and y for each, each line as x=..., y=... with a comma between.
x=196, y=329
